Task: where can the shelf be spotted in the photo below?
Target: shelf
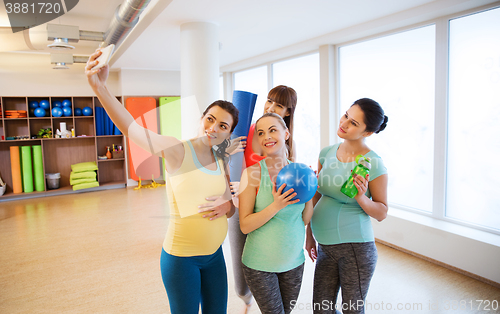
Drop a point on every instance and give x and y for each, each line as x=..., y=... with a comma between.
x=19, y=141
x=59, y=153
x=68, y=138
x=112, y=159
x=11, y=194
x=47, y=139
x=105, y=136
x=62, y=191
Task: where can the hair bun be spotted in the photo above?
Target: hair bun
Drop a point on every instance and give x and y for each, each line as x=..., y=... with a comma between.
x=383, y=125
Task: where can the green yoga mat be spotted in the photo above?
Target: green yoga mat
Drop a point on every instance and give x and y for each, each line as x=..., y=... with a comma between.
x=27, y=169
x=170, y=118
x=38, y=168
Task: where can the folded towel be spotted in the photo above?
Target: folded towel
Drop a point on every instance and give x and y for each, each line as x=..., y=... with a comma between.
x=82, y=175
x=85, y=186
x=80, y=181
x=84, y=166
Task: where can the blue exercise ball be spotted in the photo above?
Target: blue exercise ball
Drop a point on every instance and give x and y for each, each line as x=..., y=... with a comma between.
x=44, y=104
x=56, y=103
x=57, y=112
x=33, y=104
x=67, y=111
x=39, y=112
x=87, y=111
x=78, y=112
x=66, y=103
x=299, y=177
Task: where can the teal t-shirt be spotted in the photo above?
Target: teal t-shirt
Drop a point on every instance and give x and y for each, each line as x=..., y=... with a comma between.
x=277, y=246
x=338, y=218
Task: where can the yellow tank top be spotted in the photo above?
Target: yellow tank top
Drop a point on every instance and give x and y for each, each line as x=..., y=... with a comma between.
x=188, y=233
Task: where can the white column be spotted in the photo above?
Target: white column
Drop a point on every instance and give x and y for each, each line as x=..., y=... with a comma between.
x=228, y=85
x=199, y=73
x=328, y=95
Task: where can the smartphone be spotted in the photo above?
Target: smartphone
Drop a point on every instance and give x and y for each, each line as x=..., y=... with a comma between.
x=105, y=56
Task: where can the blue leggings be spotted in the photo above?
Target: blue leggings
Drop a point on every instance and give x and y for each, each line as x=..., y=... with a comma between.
x=192, y=280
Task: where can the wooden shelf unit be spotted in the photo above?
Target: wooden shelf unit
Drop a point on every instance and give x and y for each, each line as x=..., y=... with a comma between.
x=59, y=154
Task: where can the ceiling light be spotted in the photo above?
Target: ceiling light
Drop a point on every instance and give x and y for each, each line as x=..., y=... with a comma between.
x=60, y=44
x=60, y=66
x=61, y=35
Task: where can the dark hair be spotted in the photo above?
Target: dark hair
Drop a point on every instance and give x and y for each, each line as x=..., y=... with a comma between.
x=220, y=150
x=228, y=107
x=287, y=97
x=375, y=119
x=283, y=124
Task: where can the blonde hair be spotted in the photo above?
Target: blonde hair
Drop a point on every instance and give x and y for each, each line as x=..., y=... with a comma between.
x=283, y=124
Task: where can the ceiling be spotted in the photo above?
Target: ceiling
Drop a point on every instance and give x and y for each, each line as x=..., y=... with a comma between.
x=246, y=28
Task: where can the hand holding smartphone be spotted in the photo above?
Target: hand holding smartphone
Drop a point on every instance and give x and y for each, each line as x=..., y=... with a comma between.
x=105, y=56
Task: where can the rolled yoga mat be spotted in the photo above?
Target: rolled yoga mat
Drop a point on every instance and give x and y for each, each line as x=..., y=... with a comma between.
x=15, y=165
x=27, y=169
x=38, y=168
x=99, y=122
x=245, y=102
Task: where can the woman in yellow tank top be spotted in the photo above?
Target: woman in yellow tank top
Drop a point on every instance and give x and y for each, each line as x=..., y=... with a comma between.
x=192, y=264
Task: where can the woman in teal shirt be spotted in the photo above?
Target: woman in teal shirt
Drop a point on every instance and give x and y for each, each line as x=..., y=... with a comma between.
x=273, y=256
x=346, y=253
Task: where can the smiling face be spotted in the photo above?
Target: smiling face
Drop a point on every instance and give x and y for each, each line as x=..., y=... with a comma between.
x=215, y=126
x=272, y=135
x=277, y=108
x=352, y=125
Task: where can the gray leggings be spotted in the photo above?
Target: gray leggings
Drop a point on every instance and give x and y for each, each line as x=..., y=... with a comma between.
x=275, y=293
x=349, y=266
x=237, y=241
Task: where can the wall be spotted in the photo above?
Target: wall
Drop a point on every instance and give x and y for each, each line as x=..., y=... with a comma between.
x=24, y=78
x=150, y=83
x=467, y=249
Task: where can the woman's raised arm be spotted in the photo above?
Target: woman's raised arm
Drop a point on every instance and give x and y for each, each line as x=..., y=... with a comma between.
x=168, y=147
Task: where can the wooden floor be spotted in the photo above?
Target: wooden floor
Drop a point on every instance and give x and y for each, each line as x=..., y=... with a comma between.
x=99, y=252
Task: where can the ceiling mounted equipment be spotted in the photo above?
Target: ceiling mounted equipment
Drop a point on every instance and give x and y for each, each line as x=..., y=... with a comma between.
x=125, y=18
x=62, y=35
x=60, y=44
x=62, y=60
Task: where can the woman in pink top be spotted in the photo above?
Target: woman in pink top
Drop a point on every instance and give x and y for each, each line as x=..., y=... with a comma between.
x=282, y=101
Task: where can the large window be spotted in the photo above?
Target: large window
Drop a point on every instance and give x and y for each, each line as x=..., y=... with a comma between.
x=473, y=174
x=302, y=74
x=397, y=71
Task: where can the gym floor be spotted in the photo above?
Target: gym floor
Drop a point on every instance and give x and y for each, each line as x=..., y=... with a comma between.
x=99, y=252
